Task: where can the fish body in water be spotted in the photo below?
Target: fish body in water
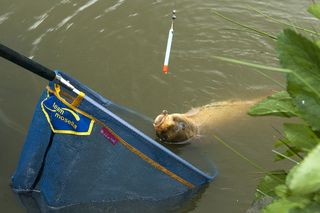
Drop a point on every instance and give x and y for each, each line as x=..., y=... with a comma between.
x=178, y=127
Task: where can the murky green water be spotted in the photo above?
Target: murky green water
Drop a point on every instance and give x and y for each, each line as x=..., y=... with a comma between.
x=117, y=48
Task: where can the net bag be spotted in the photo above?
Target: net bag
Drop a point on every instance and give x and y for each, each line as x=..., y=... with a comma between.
x=76, y=154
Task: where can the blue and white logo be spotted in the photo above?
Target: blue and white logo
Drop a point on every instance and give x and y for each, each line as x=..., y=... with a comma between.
x=63, y=119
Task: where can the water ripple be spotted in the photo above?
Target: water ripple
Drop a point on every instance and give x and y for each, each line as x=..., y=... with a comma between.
x=5, y=17
x=111, y=8
x=115, y=6
x=64, y=22
x=40, y=19
x=80, y=9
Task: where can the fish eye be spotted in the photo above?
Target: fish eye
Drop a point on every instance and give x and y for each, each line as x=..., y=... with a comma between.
x=182, y=125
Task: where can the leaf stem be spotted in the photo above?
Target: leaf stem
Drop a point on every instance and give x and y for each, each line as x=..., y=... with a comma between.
x=286, y=144
x=240, y=155
x=284, y=156
x=259, y=66
x=306, y=83
x=258, y=167
x=245, y=26
x=275, y=69
x=261, y=192
x=282, y=22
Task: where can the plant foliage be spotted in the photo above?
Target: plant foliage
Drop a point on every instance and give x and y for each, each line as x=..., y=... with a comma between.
x=278, y=104
x=297, y=190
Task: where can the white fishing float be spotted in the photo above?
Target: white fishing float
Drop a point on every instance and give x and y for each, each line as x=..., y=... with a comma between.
x=165, y=67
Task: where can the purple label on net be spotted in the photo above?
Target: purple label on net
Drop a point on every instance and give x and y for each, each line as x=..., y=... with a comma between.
x=109, y=135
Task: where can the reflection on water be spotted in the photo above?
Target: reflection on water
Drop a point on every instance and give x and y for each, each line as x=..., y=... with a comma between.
x=185, y=202
x=117, y=48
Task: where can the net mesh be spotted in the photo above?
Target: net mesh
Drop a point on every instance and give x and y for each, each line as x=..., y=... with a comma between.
x=114, y=164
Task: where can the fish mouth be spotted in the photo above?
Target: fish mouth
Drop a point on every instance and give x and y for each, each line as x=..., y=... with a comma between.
x=162, y=138
x=160, y=118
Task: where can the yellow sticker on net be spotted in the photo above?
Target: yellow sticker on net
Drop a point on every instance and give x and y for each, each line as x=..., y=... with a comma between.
x=63, y=119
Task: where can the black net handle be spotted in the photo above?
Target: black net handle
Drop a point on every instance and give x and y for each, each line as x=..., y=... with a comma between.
x=26, y=63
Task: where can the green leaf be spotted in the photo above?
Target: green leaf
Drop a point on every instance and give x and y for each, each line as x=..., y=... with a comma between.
x=286, y=205
x=281, y=142
x=301, y=136
x=311, y=208
x=290, y=150
x=269, y=183
x=302, y=57
x=314, y=9
x=305, y=178
x=278, y=143
x=279, y=104
x=281, y=190
x=316, y=198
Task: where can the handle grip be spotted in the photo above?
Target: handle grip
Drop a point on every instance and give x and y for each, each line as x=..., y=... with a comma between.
x=26, y=63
